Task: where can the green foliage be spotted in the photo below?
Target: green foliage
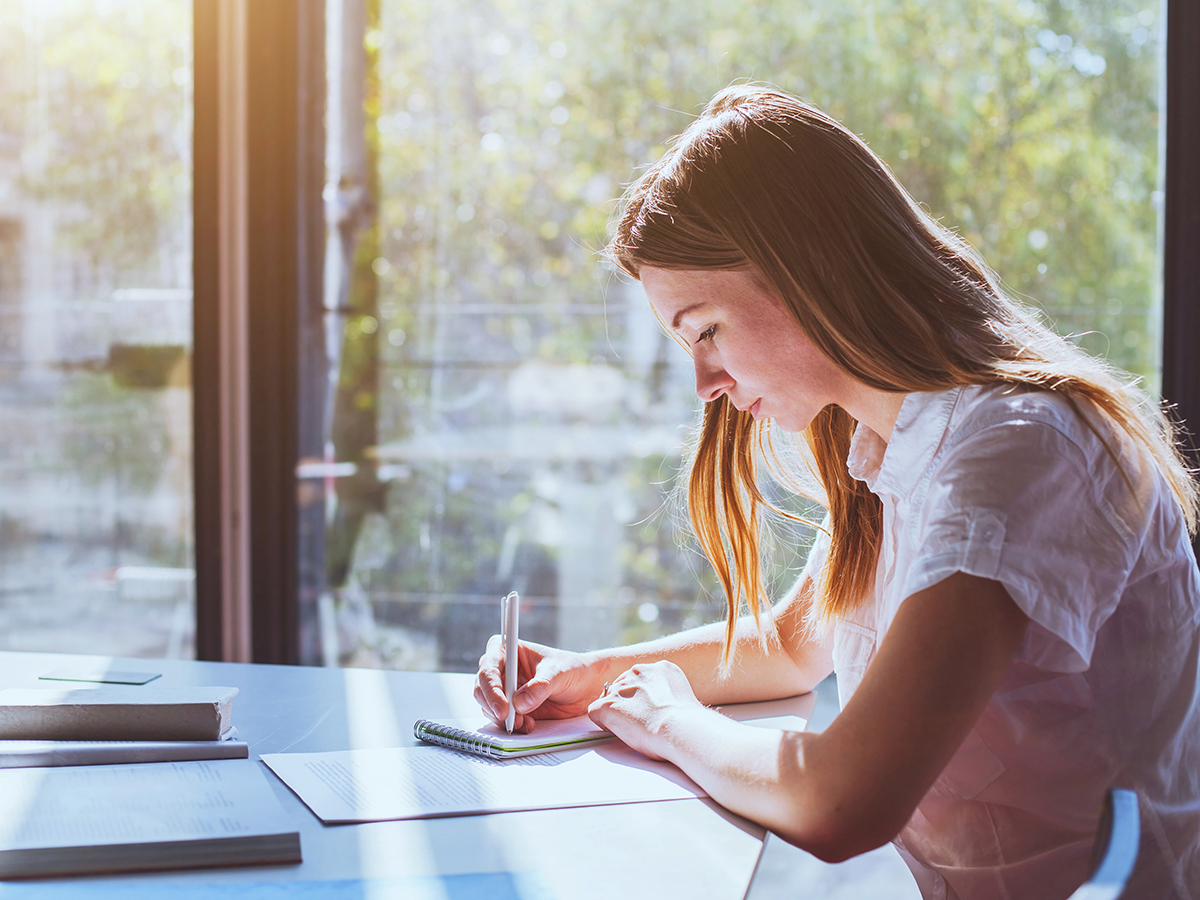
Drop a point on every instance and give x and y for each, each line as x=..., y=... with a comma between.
x=1029, y=128
x=99, y=96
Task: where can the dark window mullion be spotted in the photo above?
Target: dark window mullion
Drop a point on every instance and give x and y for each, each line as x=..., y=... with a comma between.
x=286, y=77
x=283, y=56
x=206, y=406
x=1181, y=250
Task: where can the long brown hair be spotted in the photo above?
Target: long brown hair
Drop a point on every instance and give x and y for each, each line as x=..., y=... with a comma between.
x=763, y=182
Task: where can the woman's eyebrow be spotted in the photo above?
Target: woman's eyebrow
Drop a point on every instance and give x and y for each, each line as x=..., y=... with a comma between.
x=677, y=319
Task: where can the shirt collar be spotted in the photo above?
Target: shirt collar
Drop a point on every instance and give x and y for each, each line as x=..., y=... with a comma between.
x=895, y=466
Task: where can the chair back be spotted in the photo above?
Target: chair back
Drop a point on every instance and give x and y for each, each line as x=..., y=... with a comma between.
x=1115, y=849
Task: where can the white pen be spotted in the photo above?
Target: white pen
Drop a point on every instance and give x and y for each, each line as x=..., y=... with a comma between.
x=510, y=607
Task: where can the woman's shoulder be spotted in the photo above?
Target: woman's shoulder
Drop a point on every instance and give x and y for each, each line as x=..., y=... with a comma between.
x=990, y=434
x=1065, y=444
x=983, y=406
x=1011, y=417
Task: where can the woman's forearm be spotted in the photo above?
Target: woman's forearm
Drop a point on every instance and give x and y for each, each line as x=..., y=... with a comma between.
x=787, y=662
x=766, y=775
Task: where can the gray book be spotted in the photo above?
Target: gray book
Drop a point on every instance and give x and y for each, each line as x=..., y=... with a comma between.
x=115, y=713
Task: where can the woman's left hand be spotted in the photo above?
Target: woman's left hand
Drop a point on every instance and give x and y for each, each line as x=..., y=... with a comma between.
x=637, y=706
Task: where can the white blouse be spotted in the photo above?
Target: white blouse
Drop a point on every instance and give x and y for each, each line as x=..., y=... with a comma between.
x=1012, y=485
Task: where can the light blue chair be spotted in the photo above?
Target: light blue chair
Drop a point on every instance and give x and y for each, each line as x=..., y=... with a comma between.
x=1116, y=848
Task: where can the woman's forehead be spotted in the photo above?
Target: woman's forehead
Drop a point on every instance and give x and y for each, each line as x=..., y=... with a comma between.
x=691, y=286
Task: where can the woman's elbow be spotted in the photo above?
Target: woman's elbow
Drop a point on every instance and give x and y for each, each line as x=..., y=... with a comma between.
x=838, y=843
x=831, y=809
x=834, y=832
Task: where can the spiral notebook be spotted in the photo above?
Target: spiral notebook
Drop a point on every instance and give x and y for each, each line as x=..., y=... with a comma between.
x=550, y=736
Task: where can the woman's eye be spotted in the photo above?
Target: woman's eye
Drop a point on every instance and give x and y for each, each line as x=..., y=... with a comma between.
x=707, y=333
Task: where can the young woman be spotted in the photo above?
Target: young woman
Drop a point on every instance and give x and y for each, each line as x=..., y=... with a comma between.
x=1004, y=584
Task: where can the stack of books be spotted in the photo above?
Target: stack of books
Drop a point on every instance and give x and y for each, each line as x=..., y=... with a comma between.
x=71, y=804
x=116, y=724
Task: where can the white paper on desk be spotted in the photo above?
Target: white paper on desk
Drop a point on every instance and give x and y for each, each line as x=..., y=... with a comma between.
x=420, y=782
x=788, y=713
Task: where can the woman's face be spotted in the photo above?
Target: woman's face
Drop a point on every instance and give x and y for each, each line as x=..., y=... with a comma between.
x=745, y=344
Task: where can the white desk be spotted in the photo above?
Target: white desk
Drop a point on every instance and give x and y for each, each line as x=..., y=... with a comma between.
x=677, y=849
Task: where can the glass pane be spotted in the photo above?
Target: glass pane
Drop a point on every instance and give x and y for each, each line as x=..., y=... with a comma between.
x=95, y=327
x=507, y=411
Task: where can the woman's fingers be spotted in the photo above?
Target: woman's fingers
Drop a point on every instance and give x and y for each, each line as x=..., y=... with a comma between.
x=539, y=676
x=489, y=686
x=634, y=704
x=552, y=684
x=534, y=693
x=489, y=710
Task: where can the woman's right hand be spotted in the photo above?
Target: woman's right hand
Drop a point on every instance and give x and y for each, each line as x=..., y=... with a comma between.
x=551, y=683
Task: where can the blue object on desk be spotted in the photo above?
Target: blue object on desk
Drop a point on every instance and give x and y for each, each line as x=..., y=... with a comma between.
x=473, y=886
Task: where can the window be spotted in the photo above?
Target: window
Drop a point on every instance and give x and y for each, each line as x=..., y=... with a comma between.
x=503, y=410
x=482, y=403
x=95, y=327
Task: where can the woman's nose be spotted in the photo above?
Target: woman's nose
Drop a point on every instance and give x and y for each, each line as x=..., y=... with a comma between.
x=711, y=378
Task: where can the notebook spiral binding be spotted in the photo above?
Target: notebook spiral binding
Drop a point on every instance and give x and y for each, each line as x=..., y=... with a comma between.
x=455, y=738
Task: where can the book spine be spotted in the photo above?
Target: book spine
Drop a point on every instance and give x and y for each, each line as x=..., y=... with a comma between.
x=115, y=722
x=454, y=738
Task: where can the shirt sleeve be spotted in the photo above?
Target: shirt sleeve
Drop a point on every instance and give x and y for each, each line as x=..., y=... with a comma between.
x=1022, y=503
